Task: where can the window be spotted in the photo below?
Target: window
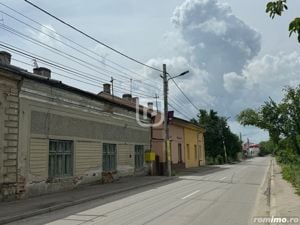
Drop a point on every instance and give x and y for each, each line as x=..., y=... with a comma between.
x=195, y=152
x=109, y=157
x=179, y=153
x=60, y=158
x=139, y=156
x=188, y=151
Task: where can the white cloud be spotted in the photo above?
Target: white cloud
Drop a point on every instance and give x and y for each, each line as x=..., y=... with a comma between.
x=254, y=134
x=193, y=84
x=214, y=26
x=47, y=35
x=233, y=82
x=226, y=43
x=264, y=77
x=221, y=52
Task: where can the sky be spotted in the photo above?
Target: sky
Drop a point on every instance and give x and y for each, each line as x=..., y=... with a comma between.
x=237, y=56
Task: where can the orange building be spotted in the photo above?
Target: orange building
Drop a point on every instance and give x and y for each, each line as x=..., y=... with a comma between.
x=186, y=143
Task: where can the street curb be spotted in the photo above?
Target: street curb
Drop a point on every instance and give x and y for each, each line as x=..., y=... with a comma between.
x=262, y=205
x=272, y=193
x=79, y=201
x=269, y=187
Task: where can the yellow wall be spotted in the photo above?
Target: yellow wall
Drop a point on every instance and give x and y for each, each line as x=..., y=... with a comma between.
x=194, y=148
x=191, y=142
x=201, y=148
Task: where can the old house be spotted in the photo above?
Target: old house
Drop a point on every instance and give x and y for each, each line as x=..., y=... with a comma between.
x=56, y=137
x=186, y=143
x=194, y=144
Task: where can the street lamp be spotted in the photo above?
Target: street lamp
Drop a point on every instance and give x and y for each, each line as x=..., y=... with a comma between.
x=182, y=74
x=166, y=125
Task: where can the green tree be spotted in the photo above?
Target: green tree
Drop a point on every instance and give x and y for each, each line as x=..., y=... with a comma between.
x=290, y=115
x=217, y=134
x=280, y=120
x=266, y=118
x=213, y=139
x=277, y=7
x=266, y=147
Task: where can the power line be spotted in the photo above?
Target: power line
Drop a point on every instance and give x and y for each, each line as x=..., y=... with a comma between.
x=197, y=108
x=57, y=51
x=65, y=69
x=92, y=38
x=178, y=111
x=72, y=78
x=82, y=46
x=184, y=110
x=71, y=41
x=9, y=29
x=93, y=84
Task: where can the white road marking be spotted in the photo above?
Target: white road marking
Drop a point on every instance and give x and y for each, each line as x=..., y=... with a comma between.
x=190, y=194
x=222, y=178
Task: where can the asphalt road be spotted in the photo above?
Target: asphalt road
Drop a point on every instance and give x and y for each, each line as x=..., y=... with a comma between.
x=221, y=196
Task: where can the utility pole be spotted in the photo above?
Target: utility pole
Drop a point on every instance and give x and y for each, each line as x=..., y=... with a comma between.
x=223, y=136
x=156, y=97
x=166, y=117
x=225, y=150
x=166, y=127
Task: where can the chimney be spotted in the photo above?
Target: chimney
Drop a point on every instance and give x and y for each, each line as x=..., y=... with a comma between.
x=5, y=58
x=127, y=97
x=42, y=71
x=106, y=88
x=135, y=100
x=150, y=105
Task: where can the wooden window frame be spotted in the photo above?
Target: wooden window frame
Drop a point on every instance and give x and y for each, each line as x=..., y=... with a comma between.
x=109, y=157
x=61, y=158
x=139, y=156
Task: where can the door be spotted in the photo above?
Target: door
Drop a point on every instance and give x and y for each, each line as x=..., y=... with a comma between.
x=179, y=153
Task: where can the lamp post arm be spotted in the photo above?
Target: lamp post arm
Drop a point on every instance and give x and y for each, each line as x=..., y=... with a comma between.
x=182, y=74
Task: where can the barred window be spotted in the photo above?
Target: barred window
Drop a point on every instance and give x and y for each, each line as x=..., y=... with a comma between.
x=109, y=157
x=139, y=156
x=60, y=158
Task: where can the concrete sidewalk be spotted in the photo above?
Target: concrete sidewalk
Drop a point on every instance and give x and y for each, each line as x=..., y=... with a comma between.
x=276, y=197
x=284, y=201
x=16, y=210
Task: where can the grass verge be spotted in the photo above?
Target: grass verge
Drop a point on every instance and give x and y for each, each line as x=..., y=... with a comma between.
x=291, y=171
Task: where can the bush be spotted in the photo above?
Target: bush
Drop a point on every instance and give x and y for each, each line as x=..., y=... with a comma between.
x=288, y=173
x=287, y=157
x=266, y=148
x=209, y=160
x=290, y=164
x=219, y=160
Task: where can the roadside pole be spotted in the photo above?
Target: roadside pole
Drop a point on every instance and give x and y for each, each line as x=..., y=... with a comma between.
x=166, y=117
x=166, y=125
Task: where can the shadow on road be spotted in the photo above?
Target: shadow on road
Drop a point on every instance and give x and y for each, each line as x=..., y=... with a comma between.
x=75, y=210
x=71, y=196
x=202, y=171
